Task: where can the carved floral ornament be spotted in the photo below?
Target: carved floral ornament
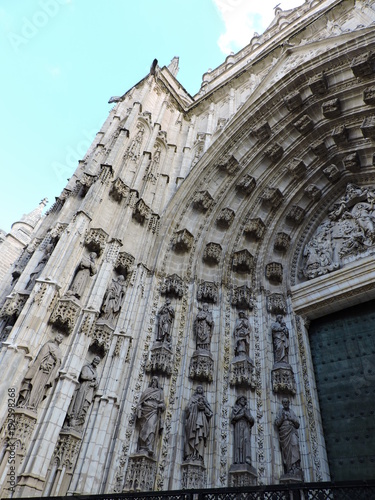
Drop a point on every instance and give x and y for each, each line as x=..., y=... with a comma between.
x=347, y=234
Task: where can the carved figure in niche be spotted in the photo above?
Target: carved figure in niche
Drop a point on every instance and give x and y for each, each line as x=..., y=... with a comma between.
x=150, y=407
x=113, y=299
x=41, y=374
x=287, y=424
x=83, y=395
x=39, y=268
x=242, y=421
x=198, y=415
x=280, y=338
x=242, y=335
x=165, y=321
x=203, y=328
x=84, y=271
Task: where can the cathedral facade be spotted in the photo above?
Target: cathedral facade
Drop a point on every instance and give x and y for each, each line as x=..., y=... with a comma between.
x=195, y=310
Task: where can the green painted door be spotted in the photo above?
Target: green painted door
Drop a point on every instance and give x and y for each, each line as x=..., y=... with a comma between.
x=343, y=352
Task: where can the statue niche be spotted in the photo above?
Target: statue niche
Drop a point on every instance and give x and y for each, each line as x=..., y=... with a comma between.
x=83, y=396
x=84, y=271
x=161, y=355
x=282, y=373
x=241, y=472
x=41, y=375
x=40, y=266
x=242, y=366
x=202, y=364
x=113, y=300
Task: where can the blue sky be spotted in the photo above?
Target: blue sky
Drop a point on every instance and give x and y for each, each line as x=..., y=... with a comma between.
x=63, y=59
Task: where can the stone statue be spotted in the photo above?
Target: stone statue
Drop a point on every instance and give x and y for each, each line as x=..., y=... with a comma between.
x=242, y=335
x=150, y=407
x=280, y=338
x=84, y=271
x=203, y=328
x=287, y=424
x=83, y=395
x=242, y=421
x=41, y=374
x=198, y=415
x=39, y=268
x=113, y=299
x=165, y=321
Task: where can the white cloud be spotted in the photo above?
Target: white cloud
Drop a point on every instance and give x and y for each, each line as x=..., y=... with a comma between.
x=244, y=17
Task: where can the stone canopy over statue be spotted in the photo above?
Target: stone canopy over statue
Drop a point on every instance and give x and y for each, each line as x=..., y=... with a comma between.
x=198, y=414
x=41, y=375
x=287, y=424
x=348, y=233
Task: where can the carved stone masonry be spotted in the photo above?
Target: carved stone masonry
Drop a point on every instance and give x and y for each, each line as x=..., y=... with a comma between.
x=201, y=366
x=318, y=84
x=17, y=432
x=119, y=190
x=230, y=165
x=274, y=152
x=173, y=286
x=246, y=184
x=282, y=242
x=101, y=338
x=242, y=298
x=141, y=211
x=262, y=132
x=340, y=135
x=67, y=449
x=282, y=373
x=65, y=314
x=161, y=360
x=332, y=173
x=352, y=162
x=106, y=172
x=140, y=474
x=207, y=292
x=272, y=197
x=369, y=95
x=86, y=181
x=193, y=476
x=313, y=192
x=319, y=148
x=293, y=100
x=304, y=125
x=202, y=200
x=95, y=240
x=297, y=168
x=201, y=363
x=225, y=217
x=274, y=272
x=255, y=228
x=183, y=240
x=14, y=304
x=124, y=263
x=363, y=65
x=283, y=380
x=368, y=127
x=243, y=261
x=242, y=365
x=276, y=303
x=212, y=253
x=296, y=214
x=331, y=108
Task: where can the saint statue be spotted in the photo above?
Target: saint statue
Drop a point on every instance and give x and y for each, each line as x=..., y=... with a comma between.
x=113, y=299
x=242, y=335
x=287, y=424
x=280, y=338
x=41, y=374
x=150, y=407
x=203, y=328
x=165, y=321
x=242, y=421
x=39, y=268
x=84, y=271
x=83, y=395
x=198, y=415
